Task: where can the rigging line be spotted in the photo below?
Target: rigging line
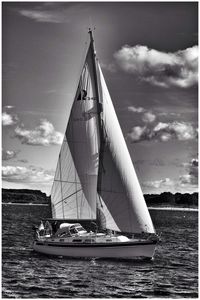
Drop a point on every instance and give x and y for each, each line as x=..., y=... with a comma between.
x=57, y=169
x=69, y=207
x=67, y=197
x=71, y=187
x=75, y=177
x=66, y=181
x=61, y=184
x=55, y=195
x=68, y=188
x=74, y=157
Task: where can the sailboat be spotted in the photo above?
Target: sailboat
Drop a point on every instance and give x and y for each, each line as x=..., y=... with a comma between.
x=95, y=184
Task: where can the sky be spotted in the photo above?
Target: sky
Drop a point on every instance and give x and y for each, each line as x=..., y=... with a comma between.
x=148, y=53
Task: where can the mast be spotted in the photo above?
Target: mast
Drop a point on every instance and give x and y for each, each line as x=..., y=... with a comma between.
x=94, y=65
x=99, y=107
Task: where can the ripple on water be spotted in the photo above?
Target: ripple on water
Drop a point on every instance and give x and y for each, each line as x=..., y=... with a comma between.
x=27, y=274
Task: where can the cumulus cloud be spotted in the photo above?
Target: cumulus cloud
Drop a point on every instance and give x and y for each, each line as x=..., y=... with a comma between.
x=148, y=117
x=180, y=130
x=167, y=182
x=160, y=68
x=191, y=178
x=109, y=67
x=8, y=119
x=193, y=169
x=183, y=183
x=28, y=175
x=43, y=135
x=163, y=132
x=9, y=154
x=187, y=179
x=136, y=109
x=137, y=134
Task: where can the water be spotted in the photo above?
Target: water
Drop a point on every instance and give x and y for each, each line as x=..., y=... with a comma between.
x=172, y=274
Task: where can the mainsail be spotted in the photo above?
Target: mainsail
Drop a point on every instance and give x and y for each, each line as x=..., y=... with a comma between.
x=94, y=166
x=119, y=186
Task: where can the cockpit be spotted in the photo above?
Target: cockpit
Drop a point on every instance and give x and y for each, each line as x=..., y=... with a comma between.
x=67, y=229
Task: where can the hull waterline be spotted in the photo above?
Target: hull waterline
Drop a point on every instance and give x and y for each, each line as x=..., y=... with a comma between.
x=123, y=250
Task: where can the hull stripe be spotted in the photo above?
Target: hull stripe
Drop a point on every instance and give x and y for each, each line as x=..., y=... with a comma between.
x=96, y=245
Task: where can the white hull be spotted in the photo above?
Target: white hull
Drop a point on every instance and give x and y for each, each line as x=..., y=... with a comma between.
x=128, y=250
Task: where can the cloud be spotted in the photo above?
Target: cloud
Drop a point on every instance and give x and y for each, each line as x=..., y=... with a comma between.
x=43, y=16
x=8, y=106
x=160, y=68
x=191, y=178
x=28, y=175
x=109, y=67
x=137, y=134
x=54, y=12
x=148, y=117
x=186, y=182
x=8, y=119
x=167, y=182
x=187, y=179
x=163, y=132
x=182, y=131
x=43, y=135
x=136, y=109
x=9, y=154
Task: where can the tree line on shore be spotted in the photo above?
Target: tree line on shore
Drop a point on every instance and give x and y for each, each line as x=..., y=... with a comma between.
x=163, y=199
x=24, y=196
x=169, y=199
